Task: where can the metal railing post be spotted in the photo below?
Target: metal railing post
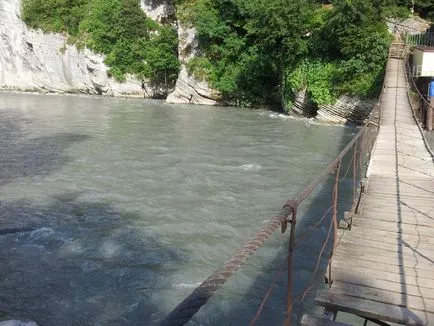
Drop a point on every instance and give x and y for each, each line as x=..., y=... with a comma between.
x=289, y=307
x=291, y=248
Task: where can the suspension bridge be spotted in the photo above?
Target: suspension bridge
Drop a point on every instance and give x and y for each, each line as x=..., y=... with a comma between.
x=381, y=252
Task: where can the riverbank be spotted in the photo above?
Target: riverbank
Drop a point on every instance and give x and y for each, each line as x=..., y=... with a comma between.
x=323, y=118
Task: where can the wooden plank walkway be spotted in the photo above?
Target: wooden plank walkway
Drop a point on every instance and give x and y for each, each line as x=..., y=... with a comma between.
x=383, y=268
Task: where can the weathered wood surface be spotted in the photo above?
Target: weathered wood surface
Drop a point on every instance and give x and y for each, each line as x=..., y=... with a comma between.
x=383, y=268
x=308, y=320
x=374, y=309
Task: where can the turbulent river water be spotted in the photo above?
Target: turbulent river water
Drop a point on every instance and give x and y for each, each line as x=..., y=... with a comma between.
x=125, y=206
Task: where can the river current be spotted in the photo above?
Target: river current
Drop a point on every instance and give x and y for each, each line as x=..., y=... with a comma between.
x=123, y=207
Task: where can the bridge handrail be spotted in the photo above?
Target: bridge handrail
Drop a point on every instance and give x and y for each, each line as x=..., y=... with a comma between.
x=420, y=39
x=424, y=102
x=360, y=147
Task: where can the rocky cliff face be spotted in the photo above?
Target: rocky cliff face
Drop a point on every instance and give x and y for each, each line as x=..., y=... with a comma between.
x=31, y=60
x=188, y=89
x=161, y=11
x=347, y=109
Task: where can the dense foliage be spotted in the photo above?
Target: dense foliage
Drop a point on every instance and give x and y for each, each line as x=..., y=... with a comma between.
x=263, y=52
x=348, y=50
x=255, y=52
x=425, y=8
x=132, y=42
x=247, y=45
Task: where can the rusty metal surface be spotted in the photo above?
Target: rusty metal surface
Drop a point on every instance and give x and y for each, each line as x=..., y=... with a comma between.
x=191, y=304
x=364, y=139
x=187, y=308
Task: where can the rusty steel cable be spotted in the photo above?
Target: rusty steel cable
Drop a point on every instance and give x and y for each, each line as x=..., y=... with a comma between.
x=294, y=206
x=297, y=243
x=330, y=168
x=191, y=304
x=312, y=228
x=268, y=293
x=335, y=206
x=347, y=170
x=187, y=308
x=314, y=281
x=333, y=223
x=303, y=294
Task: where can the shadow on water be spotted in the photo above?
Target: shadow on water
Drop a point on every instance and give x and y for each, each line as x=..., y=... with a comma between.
x=77, y=264
x=243, y=310
x=27, y=157
x=71, y=260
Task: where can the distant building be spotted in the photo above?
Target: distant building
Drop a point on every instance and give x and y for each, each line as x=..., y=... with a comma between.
x=423, y=61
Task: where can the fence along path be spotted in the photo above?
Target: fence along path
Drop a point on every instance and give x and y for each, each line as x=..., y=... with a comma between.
x=383, y=267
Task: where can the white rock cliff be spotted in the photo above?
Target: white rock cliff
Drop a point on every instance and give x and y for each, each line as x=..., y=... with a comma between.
x=159, y=10
x=32, y=60
x=188, y=89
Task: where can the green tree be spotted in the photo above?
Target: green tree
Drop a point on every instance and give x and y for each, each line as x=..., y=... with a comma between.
x=133, y=43
x=54, y=15
x=425, y=8
x=245, y=45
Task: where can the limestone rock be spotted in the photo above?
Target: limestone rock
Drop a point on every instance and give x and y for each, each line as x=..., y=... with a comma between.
x=188, y=89
x=32, y=60
x=161, y=11
x=347, y=109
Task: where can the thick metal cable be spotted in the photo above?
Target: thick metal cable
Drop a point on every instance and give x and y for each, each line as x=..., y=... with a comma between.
x=314, y=274
x=191, y=305
x=268, y=294
x=312, y=228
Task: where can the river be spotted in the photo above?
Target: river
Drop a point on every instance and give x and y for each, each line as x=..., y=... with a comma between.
x=127, y=205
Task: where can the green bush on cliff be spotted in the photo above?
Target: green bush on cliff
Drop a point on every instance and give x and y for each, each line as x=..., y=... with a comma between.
x=245, y=45
x=132, y=42
x=264, y=51
x=54, y=15
x=347, y=53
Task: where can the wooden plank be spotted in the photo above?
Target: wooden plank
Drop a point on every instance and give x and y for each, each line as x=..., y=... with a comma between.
x=383, y=268
x=339, y=262
x=401, y=213
x=385, y=235
x=393, y=216
x=422, y=250
x=346, y=274
x=393, y=187
x=308, y=320
x=404, y=250
x=379, y=183
x=403, y=205
x=356, y=250
x=399, y=239
x=373, y=309
x=404, y=265
x=384, y=296
x=392, y=201
x=390, y=286
x=424, y=183
x=394, y=226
